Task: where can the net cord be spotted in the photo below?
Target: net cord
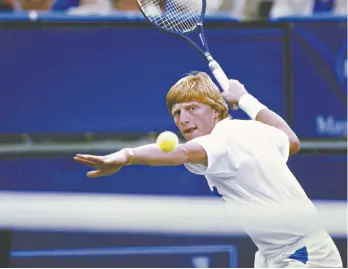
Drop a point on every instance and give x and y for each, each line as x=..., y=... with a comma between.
x=183, y=215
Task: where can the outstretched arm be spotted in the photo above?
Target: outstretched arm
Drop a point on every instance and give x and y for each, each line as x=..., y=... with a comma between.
x=189, y=152
x=151, y=155
x=256, y=111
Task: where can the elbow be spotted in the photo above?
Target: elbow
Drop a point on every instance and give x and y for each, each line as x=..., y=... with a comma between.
x=295, y=145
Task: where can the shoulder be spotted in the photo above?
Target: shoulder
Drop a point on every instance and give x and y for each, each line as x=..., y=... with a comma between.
x=228, y=126
x=240, y=125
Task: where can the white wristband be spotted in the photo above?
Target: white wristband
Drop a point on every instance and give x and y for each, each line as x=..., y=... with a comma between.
x=250, y=105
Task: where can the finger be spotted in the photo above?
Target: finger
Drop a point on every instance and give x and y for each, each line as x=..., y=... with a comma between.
x=230, y=100
x=93, y=158
x=224, y=94
x=85, y=162
x=235, y=82
x=80, y=155
x=95, y=174
x=86, y=156
x=228, y=96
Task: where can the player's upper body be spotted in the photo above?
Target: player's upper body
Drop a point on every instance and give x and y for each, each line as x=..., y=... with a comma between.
x=247, y=165
x=245, y=160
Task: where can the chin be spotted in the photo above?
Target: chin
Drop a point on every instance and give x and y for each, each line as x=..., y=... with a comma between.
x=192, y=136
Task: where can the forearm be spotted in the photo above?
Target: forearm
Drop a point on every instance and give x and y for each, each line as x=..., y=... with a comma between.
x=184, y=153
x=261, y=113
x=269, y=117
x=153, y=156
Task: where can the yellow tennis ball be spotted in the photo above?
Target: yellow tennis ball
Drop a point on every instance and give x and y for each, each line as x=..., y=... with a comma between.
x=167, y=141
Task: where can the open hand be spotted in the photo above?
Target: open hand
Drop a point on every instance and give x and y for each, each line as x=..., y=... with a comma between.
x=103, y=165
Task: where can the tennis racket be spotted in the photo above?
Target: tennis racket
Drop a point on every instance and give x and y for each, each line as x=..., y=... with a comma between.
x=184, y=18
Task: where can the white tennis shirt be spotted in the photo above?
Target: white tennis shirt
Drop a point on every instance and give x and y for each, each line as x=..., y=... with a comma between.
x=247, y=164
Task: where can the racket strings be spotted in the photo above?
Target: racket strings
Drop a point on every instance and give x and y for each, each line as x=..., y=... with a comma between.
x=171, y=20
x=189, y=11
x=176, y=15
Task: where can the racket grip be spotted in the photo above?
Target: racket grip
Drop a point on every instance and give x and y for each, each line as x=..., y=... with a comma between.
x=221, y=78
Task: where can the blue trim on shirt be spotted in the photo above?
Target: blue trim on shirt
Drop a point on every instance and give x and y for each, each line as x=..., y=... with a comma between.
x=323, y=6
x=216, y=193
x=300, y=255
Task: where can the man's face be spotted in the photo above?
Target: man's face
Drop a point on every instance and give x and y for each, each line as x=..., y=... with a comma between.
x=194, y=119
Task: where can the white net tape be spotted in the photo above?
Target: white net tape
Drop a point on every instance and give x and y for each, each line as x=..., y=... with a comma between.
x=176, y=15
x=125, y=213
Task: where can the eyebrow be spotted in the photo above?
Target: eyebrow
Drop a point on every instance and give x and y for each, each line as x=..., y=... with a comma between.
x=186, y=106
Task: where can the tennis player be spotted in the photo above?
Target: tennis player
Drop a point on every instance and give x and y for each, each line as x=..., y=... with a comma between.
x=244, y=160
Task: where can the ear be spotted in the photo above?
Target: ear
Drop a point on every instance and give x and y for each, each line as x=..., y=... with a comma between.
x=216, y=114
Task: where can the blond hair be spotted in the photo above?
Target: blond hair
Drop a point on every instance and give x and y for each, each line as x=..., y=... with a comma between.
x=197, y=87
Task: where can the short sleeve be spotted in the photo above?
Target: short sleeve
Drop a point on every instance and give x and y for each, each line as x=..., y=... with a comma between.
x=216, y=151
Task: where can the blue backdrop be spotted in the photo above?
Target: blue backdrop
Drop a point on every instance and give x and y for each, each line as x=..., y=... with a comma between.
x=111, y=79
x=73, y=77
x=319, y=56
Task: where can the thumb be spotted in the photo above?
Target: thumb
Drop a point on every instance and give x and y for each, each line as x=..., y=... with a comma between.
x=225, y=94
x=95, y=174
x=228, y=96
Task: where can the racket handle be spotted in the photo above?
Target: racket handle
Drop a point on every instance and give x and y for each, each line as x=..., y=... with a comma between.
x=221, y=78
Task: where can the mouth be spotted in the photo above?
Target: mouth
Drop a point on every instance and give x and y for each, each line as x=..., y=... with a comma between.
x=189, y=130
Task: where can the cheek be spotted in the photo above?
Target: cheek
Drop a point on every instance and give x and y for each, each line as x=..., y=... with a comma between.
x=205, y=123
x=177, y=122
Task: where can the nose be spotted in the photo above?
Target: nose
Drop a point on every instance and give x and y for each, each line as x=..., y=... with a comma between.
x=184, y=118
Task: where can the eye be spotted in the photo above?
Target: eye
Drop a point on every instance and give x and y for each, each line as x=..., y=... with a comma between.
x=193, y=108
x=176, y=113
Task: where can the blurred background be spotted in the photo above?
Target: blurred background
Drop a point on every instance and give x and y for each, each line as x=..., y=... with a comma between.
x=91, y=76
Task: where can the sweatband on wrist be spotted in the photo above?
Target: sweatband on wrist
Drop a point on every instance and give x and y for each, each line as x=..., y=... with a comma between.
x=250, y=105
